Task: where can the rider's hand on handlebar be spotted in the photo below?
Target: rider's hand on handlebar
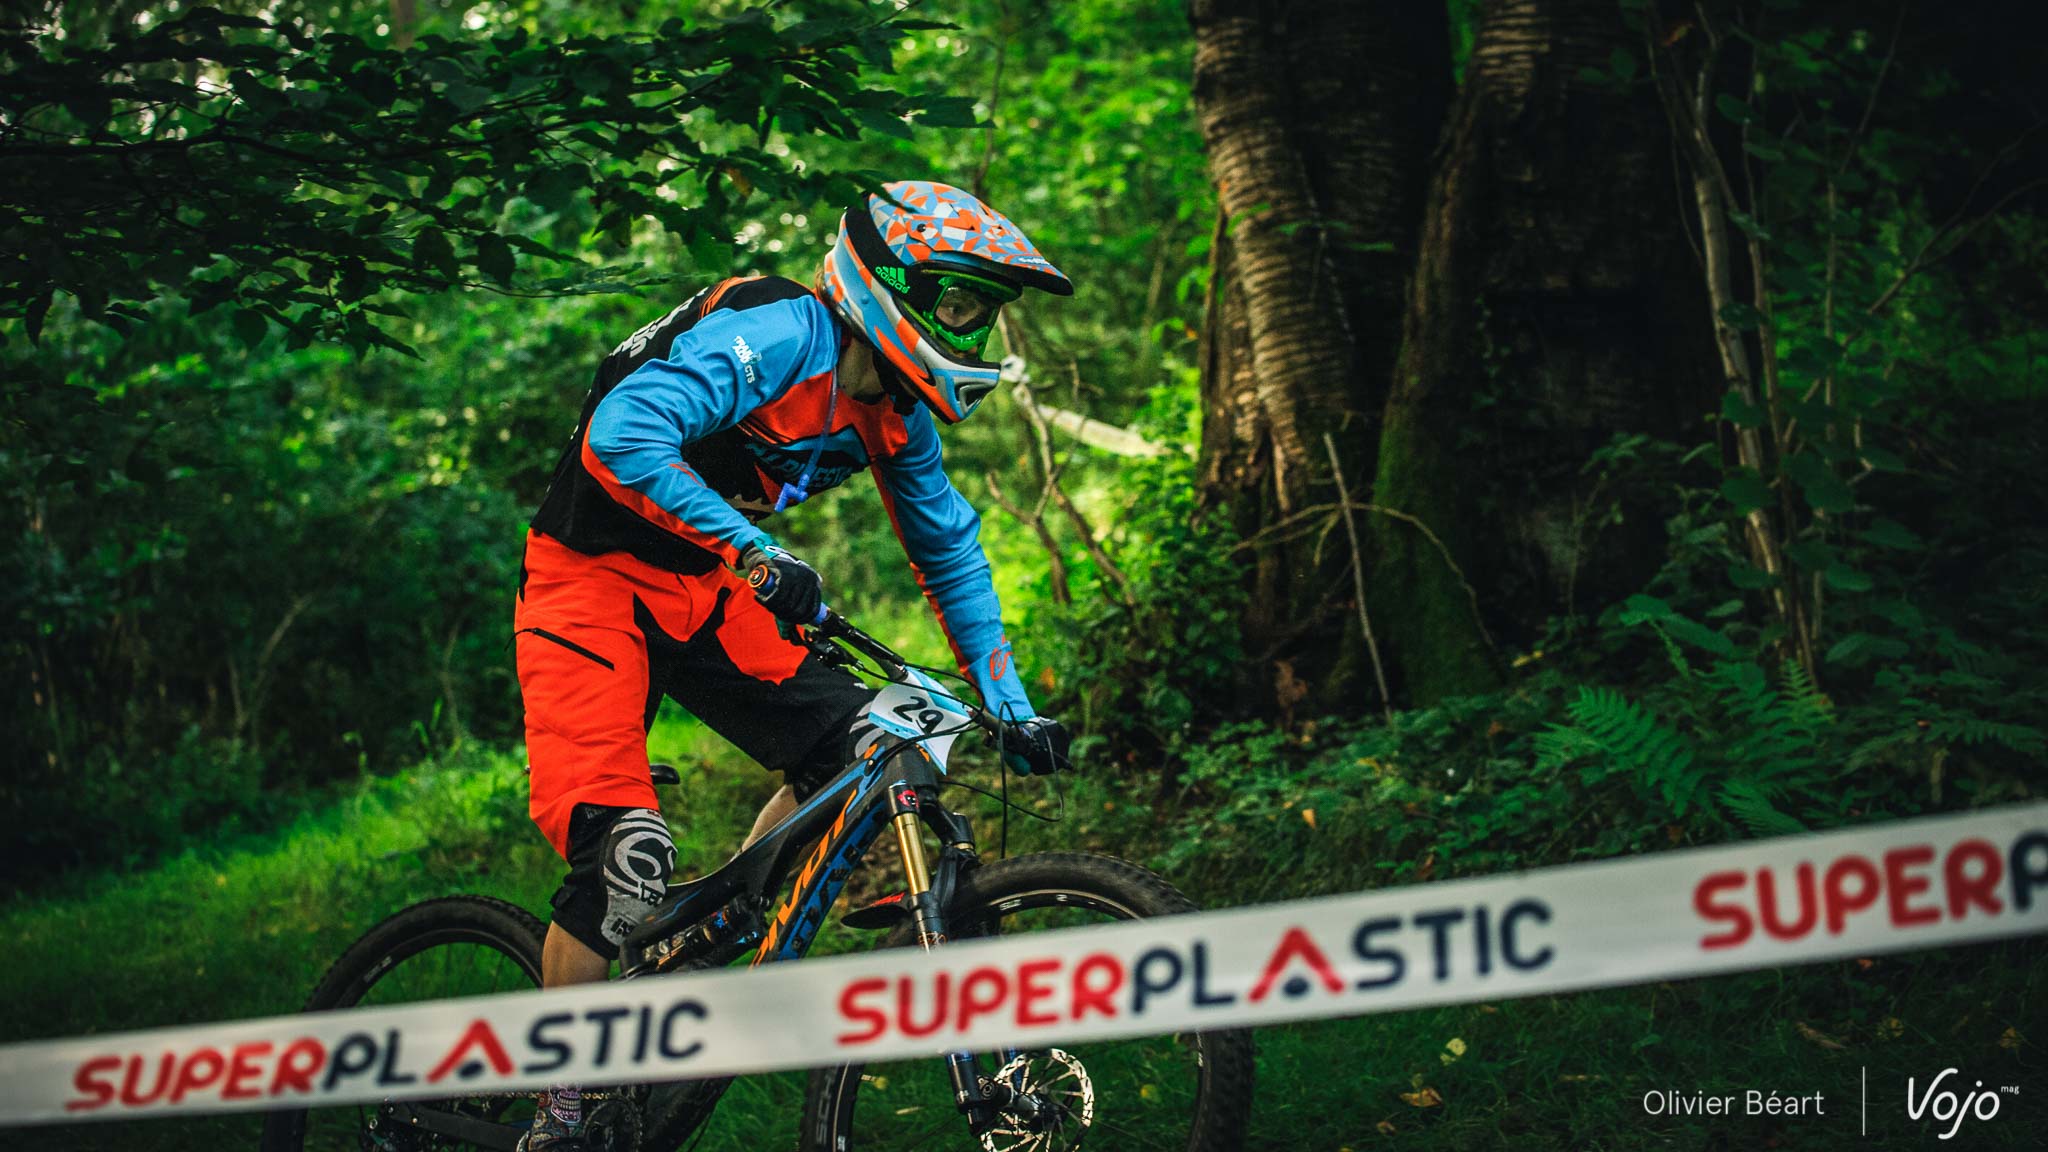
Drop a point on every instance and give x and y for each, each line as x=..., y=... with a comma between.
x=785, y=585
x=1037, y=746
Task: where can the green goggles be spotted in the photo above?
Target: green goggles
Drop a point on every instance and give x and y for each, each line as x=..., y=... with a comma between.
x=960, y=308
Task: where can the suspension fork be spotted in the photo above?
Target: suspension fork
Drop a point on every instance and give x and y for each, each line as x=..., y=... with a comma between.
x=912, y=803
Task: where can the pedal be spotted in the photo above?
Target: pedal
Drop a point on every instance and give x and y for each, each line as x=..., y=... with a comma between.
x=887, y=912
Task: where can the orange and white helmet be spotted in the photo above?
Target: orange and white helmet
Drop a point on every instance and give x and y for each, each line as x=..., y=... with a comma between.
x=922, y=280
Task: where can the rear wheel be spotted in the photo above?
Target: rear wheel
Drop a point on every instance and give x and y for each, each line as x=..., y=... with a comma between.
x=458, y=946
x=1186, y=1093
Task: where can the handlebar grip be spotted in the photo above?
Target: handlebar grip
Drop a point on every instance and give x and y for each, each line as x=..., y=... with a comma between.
x=761, y=579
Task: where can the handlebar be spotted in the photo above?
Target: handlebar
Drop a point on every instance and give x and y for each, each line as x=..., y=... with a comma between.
x=830, y=626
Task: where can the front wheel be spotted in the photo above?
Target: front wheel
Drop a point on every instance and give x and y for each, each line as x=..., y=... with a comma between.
x=1185, y=1093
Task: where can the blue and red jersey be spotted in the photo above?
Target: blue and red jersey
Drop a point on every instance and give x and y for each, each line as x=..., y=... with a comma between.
x=697, y=422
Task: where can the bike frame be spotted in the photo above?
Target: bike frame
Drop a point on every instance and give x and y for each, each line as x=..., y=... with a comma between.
x=715, y=919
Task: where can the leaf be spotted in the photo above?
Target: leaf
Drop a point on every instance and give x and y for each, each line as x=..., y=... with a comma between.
x=1740, y=412
x=1843, y=578
x=1735, y=110
x=494, y=257
x=883, y=121
x=1623, y=64
x=1859, y=648
x=1891, y=534
x=1424, y=1098
x=1809, y=1032
x=38, y=308
x=948, y=112
x=711, y=255
x=431, y=252
x=1750, y=578
x=1812, y=555
x=1823, y=489
x=556, y=188
x=1454, y=1050
x=1741, y=317
x=1700, y=636
x=250, y=326
x=1745, y=490
x=1749, y=225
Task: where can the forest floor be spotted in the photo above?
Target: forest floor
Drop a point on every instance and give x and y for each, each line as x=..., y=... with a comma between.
x=245, y=929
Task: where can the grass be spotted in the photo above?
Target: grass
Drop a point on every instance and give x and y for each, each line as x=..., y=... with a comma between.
x=245, y=930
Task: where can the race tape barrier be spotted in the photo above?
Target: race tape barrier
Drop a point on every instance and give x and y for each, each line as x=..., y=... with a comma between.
x=1888, y=887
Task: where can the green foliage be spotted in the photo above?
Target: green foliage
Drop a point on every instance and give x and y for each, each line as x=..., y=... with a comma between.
x=1140, y=676
x=297, y=177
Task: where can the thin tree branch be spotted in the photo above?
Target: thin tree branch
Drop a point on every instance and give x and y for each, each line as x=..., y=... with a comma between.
x=1372, y=646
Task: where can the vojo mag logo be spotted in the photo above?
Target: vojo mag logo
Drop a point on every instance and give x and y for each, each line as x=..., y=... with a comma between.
x=1950, y=1102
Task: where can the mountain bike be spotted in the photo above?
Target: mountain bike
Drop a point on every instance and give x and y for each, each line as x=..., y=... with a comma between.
x=1189, y=1092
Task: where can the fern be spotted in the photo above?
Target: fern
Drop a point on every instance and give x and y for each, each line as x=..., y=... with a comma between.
x=1638, y=743
x=1959, y=729
x=1772, y=734
x=1804, y=697
x=1560, y=745
x=1748, y=803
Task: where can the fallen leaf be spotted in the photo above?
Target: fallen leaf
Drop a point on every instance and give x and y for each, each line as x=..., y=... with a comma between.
x=1386, y=1127
x=1428, y=867
x=1149, y=1092
x=2011, y=1041
x=1865, y=964
x=1580, y=1078
x=1453, y=1049
x=1891, y=1028
x=1308, y=817
x=1818, y=1037
x=1425, y=1098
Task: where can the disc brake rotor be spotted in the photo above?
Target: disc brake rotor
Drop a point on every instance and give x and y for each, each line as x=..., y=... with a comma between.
x=1065, y=1095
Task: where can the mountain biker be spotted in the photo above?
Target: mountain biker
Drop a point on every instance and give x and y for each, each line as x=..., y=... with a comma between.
x=750, y=397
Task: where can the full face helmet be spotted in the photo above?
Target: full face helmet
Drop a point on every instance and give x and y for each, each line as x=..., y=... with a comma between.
x=923, y=279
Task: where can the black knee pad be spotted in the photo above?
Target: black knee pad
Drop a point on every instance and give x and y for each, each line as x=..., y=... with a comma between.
x=620, y=861
x=831, y=757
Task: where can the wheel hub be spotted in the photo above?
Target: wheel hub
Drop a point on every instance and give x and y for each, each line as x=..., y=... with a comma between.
x=1055, y=1104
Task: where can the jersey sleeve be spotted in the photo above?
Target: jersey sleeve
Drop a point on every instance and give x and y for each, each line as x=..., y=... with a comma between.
x=941, y=535
x=725, y=366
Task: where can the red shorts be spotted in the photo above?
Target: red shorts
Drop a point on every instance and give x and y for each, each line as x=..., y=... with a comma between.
x=601, y=639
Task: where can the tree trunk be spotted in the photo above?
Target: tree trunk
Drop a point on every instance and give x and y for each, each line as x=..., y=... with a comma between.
x=1317, y=118
x=1552, y=309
